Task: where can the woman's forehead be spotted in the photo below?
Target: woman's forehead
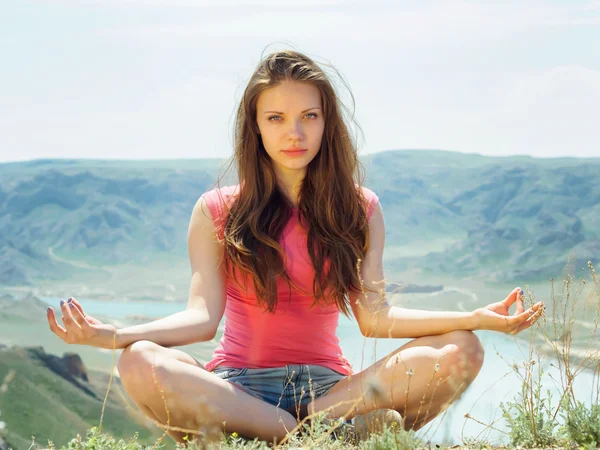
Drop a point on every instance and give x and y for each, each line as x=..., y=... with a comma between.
x=289, y=95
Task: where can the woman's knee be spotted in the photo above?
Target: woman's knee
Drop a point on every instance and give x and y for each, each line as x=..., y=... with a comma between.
x=137, y=362
x=462, y=355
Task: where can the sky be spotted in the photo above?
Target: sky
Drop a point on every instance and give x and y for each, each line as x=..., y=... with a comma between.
x=160, y=79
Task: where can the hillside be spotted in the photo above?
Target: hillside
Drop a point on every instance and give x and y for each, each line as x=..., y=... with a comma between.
x=108, y=228
x=21, y=310
x=53, y=397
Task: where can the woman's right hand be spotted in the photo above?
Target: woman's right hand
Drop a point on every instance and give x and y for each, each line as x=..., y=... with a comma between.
x=79, y=328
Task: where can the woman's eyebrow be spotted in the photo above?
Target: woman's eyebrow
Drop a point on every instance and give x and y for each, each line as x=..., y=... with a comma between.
x=278, y=112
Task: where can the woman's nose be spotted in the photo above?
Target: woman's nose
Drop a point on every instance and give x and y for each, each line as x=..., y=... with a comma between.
x=295, y=132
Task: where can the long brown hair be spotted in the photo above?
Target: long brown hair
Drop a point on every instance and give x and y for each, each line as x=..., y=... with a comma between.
x=331, y=201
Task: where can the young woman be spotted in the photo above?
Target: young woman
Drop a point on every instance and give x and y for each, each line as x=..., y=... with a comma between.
x=281, y=254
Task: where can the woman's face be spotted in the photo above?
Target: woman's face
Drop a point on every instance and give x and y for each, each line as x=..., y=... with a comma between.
x=290, y=122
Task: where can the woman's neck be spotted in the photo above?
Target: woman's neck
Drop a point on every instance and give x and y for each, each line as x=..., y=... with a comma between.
x=290, y=183
x=291, y=192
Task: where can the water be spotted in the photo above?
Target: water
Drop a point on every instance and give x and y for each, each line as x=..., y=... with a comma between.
x=496, y=382
x=122, y=309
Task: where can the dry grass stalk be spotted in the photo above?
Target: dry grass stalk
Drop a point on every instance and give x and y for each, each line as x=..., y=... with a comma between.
x=112, y=370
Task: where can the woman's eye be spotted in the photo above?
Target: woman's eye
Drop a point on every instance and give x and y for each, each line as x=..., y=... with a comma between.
x=278, y=118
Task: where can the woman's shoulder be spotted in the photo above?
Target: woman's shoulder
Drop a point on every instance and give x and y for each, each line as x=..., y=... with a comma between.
x=368, y=193
x=221, y=196
x=222, y=192
x=371, y=200
x=219, y=200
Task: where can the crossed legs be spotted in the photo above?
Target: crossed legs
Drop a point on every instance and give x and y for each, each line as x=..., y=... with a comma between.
x=419, y=380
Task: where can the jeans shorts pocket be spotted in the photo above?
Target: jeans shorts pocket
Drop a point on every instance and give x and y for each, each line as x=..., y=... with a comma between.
x=318, y=390
x=230, y=372
x=321, y=383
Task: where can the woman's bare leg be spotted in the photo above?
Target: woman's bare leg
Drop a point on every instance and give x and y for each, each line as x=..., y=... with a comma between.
x=195, y=399
x=434, y=370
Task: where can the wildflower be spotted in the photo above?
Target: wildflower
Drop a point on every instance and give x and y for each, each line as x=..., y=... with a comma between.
x=410, y=372
x=437, y=367
x=2, y=425
x=234, y=434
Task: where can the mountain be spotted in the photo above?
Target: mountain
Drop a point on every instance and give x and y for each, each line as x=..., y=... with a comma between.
x=511, y=218
x=121, y=226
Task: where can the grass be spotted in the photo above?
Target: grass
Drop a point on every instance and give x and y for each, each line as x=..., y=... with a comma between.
x=533, y=418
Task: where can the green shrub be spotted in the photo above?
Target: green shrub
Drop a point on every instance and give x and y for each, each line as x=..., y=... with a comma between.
x=392, y=438
x=530, y=417
x=582, y=424
x=476, y=443
x=95, y=440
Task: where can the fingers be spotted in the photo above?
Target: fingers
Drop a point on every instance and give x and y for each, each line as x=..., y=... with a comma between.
x=74, y=301
x=76, y=325
x=531, y=320
x=74, y=331
x=516, y=320
x=520, y=322
x=528, y=323
x=54, y=326
x=88, y=319
x=523, y=316
x=79, y=316
x=515, y=296
x=520, y=306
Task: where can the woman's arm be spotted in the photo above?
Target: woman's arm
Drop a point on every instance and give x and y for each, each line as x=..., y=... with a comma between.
x=199, y=322
x=206, y=303
x=181, y=328
x=376, y=318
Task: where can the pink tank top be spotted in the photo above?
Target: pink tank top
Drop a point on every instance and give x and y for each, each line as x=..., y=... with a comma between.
x=295, y=333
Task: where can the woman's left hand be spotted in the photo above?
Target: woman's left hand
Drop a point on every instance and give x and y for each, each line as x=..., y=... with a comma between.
x=496, y=317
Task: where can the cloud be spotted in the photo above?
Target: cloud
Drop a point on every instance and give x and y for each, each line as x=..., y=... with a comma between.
x=556, y=109
x=452, y=20
x=453, y=75
x=226, y=3
x=202, y=4
x=551, y=112
x=592, y=6
x=183, y=121
x=565, y=83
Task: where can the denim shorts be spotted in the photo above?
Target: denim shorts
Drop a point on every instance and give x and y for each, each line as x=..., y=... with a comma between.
x=286, y=387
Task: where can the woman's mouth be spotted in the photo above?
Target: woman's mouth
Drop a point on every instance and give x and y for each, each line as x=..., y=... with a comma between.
x=295, y=151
